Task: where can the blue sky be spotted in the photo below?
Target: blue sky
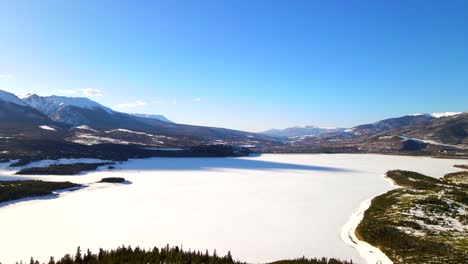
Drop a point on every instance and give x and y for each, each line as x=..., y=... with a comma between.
x=249, y=65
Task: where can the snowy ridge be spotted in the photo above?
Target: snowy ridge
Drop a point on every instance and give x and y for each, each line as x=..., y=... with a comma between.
x=11, y=98
x=50, y=104
x=446, y=114
x=439, y=115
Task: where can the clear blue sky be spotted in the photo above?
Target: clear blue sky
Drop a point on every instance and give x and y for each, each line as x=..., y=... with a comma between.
x=248, y=65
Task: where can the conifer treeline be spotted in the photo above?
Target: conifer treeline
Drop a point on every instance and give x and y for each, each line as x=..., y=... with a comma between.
x=166, y=255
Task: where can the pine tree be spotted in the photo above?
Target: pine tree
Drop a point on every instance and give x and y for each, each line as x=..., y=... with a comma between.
x=78, y=257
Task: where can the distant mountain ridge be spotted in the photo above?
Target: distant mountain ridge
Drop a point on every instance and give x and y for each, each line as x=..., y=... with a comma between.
x=422, y=134
x=389, y=124
x=157, y=117
x=299, y=131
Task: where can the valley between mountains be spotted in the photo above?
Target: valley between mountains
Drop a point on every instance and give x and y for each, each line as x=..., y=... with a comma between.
x=225, y=184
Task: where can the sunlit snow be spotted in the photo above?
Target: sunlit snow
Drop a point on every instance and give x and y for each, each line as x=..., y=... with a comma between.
x=47, y=128
x=262, y=208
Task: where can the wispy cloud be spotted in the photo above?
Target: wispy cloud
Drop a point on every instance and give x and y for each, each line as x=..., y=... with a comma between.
x=131, y=104
x=196, y=99
x=67, y=91
x=91, y=92
x=5, y=76
x=85, y=92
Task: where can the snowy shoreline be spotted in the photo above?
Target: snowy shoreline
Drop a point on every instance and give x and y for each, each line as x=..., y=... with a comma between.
x=368, y=252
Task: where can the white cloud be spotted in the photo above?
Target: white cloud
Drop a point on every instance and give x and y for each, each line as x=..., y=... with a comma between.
x=131, y=105
x=5, y=76
x=67, y=91
x=196, y=99
x=91, y=92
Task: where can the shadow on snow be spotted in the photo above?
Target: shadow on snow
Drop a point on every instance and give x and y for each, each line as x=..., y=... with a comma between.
x=220, y=163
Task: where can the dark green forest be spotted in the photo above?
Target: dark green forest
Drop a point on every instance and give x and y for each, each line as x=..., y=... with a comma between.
x=166, y=255
x=62, y=169
x=405, y=237
x=14, y=190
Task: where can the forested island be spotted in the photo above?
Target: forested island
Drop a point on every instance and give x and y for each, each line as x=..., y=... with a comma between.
x=62, y=169
x=113, y=180
x=21, y=151
x=426, y=221
x=165, y=255
x=15, y=190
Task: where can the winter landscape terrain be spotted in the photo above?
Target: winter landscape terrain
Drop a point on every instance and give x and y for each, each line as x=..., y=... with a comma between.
x=142, y=180
x=233, y=132
x=265, y=208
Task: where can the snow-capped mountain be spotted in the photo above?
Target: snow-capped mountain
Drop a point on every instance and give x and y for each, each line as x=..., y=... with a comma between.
x=157, y=117
x=303, y=131
x=70, y=110
x=440, y=115
x=51, y=104
x=445, y=114
x=17, y=118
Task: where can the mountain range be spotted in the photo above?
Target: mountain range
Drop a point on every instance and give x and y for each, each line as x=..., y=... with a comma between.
x=440, y=134
x=81, y=121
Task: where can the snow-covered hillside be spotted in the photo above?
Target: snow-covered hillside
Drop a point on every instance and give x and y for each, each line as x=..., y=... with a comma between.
x=50, y=104
x=439, y=115
x=445, y=114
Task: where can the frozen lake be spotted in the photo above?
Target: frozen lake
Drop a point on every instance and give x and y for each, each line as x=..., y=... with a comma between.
x=264, y=208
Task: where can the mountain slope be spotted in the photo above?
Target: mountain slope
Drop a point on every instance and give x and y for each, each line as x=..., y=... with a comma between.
x=389, y=124
x=66, y=109
x=449, y=130
x=18, y=119
x=7, y=97
x=426, y=134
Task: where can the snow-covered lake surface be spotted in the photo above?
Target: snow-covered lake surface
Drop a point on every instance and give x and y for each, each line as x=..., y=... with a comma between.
x=264, y=208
